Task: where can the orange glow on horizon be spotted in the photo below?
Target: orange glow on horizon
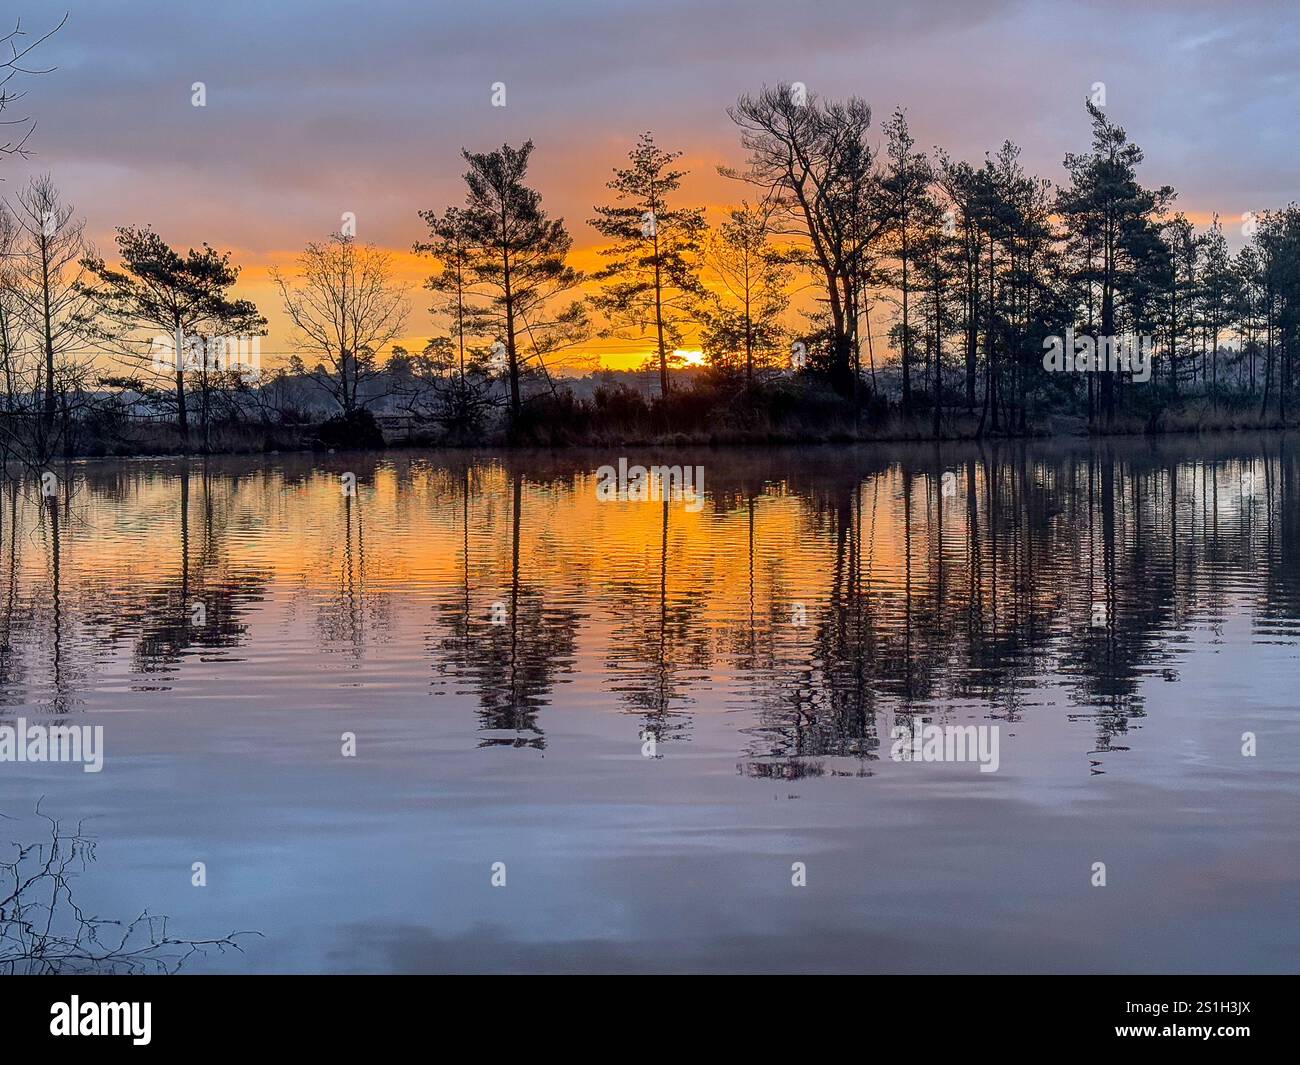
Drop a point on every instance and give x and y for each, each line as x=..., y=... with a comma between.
x=412, y=270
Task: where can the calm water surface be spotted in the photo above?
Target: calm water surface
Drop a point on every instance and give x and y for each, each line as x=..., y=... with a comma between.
x=500, y=643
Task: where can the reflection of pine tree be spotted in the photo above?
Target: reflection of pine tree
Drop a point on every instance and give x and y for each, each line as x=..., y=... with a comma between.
x=992, y=589
x=160, y=619
x=68, y=624
x=825, y=704
x=749, y=641
x=659, y=643
x=511, y=666
x=1007, y=613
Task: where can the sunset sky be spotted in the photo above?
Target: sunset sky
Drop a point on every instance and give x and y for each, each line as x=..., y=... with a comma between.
x=314, y=109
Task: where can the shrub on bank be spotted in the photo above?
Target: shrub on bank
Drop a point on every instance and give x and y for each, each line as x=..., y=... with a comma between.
x=356, y=430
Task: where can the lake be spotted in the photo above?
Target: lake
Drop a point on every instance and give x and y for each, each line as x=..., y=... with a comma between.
x=450, y=711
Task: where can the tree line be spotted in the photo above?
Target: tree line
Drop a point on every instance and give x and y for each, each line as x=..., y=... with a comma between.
x=859, y=280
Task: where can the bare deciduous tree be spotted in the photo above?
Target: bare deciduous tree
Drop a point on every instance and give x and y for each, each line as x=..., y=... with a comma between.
x=346, y=307
x=52, y=281
x=20, y=47
x=44, y=932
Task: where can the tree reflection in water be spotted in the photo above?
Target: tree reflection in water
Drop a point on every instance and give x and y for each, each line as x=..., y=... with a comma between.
x=818, y=593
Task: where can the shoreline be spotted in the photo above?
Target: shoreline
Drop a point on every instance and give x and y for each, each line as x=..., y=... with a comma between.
x=757, y=445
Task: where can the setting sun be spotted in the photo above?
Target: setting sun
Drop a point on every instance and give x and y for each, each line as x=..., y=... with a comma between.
x=690, y=358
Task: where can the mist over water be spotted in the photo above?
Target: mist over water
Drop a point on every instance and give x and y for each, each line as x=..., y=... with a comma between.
x=503, y=643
